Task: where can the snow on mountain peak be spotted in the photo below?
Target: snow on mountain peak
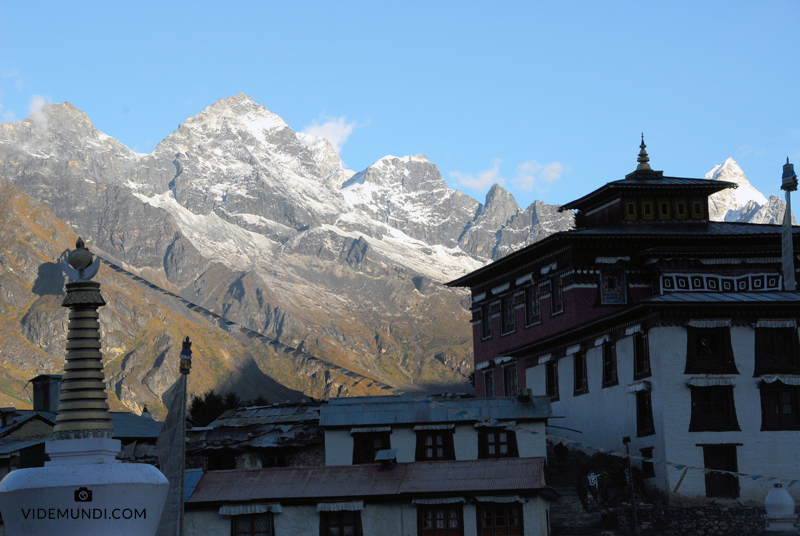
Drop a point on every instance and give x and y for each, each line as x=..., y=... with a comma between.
x=728, y=204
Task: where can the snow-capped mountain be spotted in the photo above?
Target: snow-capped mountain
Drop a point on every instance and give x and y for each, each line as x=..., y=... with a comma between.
x=265, y=226
x=744, y=203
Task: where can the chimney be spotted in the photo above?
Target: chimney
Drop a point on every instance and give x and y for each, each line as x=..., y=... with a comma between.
x=46, y=392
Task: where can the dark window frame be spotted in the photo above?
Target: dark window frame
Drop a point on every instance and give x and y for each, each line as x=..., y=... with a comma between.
x=551, y=379
x=641, y=356
x=721, y=485
x=610, y=373
x=645, y=425
x=556, y=296
x=340, y=521
x=238, y=530
x=580, y=374
x=784, y=401
x=427, y=512
x=488, y=381
x=363, y=452
x=486, y=322
x=713, y=409
x=511, y=379
x=437, y=450
x=504, y=509
x=508, y=315
x=533, y=306
x=491, y=440
x=776, y=356
x=709, y=351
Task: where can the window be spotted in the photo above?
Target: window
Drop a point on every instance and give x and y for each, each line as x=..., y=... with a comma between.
x=486, y=322
x=252, y=525
x=435, y=445
x=499, y=519
x=440, y=520
x=779, y=407
x=488, y=382
x=697, y=209
x=510, y=382
x=776, y=351
x=366, y=445
x=630, y=209
x=509, y=318
x=641, y=357
x=644, y=414
x=610, y=364
x=709, y=351
x=721, y=458
x=581, y=378
x=664, y=209
x=647, y=210
x=342, y=523
x=680, y=210
x=551, y=379
x=648, y=468
x=533, y=311
x=496, y=442
x=556, y=296
x=713, y=409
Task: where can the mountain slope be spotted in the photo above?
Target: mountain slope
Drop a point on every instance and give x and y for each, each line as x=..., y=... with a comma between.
x=238, y=213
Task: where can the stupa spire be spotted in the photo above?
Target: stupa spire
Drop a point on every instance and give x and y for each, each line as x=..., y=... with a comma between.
x=643, y=158
x=83, y=406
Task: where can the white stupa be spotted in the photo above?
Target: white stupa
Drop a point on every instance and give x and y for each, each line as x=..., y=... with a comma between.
x=83, y=490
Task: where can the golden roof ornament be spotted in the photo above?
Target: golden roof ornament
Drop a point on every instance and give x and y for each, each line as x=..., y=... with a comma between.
x=643, y=158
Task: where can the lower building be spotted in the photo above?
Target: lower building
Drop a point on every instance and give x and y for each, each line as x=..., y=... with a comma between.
x=440, y=498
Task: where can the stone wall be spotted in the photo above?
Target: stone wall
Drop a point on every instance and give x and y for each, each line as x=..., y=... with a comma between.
x=708, y=520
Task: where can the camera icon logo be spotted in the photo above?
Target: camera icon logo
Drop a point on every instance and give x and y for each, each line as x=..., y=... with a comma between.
x=83, y=494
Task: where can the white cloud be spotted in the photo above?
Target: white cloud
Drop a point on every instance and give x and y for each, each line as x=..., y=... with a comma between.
x=532, y=175
x=37, y=115
x=483, y=180
x=335, y=130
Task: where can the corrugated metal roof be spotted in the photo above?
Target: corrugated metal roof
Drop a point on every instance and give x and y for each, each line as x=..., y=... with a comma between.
x=725, y=297
x=190, y=479
x=360, y=481
x=377, y=410
x=130, y=425
x=12, y=445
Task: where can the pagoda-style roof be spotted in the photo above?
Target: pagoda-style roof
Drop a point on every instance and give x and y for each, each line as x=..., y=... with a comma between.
x=672, y=234
x=641, y=183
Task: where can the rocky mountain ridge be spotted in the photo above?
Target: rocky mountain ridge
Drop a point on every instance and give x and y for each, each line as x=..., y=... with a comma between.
x=239, y=214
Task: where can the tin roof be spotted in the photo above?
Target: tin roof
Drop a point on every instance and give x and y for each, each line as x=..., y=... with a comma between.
x=8, y=446
x=129, y=425
x=360, y=481
x=387, y=410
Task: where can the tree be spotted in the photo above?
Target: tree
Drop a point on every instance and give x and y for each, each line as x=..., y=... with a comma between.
x=204, y=410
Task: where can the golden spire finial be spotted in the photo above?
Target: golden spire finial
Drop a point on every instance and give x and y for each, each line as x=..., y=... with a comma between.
x=643, y=158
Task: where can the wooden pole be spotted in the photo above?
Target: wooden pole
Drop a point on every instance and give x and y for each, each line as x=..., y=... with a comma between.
x=185, y=369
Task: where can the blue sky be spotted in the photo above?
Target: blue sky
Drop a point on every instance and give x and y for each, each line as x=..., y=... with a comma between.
x=548, y=98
